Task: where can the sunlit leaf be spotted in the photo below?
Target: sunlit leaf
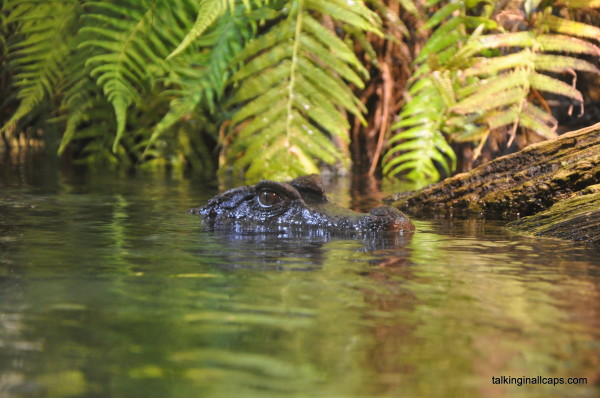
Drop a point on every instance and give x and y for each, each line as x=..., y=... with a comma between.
x=209, y=11
x=571, y=28
x=555, y=86
x=561, y=64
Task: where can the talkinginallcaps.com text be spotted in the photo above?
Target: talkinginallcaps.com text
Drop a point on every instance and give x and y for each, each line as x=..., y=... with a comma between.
x=520, y=381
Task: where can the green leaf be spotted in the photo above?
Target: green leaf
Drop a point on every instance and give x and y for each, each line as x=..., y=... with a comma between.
x=352, y=13
x=410, y=6
x=261, y=82
x=555, y=86
x=498, y=91
x=281, y=32
x=580, y=3
x=291, y=91
x=562, y=43
x=503, y=117
x=539, y=121
x=444, y=37
x=338, y=92
x=38, y=61
x=515, y=39
x=441, y=14
x=570, y=28
x=209, y=11
x=311, y=45
x=338, y=48
x=259, y=105
x=275, y=54
x=562, y=64
x=490, y=66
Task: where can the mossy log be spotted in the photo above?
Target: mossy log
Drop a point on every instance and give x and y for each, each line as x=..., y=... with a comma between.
x=522, y=184
x=519, y=184
x=577, y=218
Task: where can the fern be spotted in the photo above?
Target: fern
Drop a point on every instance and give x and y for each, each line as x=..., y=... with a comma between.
x=291, y=91
x=120, y=36
x=125, y=47
x=82, y=97
x=273, y=82
x=209, y=11
x=421, y=145
x=37, y=61
x=201, y=87
x=488, y=77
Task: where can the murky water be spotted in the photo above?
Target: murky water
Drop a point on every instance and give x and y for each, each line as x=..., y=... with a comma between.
x=108, y=288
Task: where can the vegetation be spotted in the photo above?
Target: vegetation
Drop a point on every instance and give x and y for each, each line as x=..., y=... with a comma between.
x=483, y=71
x=275, y=88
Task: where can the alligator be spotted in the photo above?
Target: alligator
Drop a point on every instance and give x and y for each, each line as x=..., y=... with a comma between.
x=280, y=206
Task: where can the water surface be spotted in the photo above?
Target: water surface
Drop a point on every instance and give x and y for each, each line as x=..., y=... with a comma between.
x=108, y=288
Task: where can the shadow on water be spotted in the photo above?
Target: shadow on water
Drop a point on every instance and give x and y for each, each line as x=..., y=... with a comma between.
x=109, y=289
x=295, y=249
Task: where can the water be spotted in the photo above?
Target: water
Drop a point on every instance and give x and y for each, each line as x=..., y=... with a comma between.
x=108, y=288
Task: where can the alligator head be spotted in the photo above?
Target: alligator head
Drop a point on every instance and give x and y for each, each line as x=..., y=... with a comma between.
x=276, y=206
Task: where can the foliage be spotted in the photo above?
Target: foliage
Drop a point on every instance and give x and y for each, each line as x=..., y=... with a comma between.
x=101, y=67
x=476, y=75
x=288, y=99
x=268, y=88
x=34, y=54
x=171, y=72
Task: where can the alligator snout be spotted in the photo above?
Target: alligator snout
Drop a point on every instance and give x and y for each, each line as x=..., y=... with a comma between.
x=391, y=219
x=300, y=202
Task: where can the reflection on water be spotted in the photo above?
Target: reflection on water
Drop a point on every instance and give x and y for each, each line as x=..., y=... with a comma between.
x=108, y=288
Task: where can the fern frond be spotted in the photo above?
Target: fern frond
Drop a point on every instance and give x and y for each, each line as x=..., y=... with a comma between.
x=440, y=15
x=38, y=60
x=538, y=121
x=126, y=39
x=580, y=3
x=119, y=65
x=555, y=86
x=81, y=96
x=414, y=152
x=562, y=64
x=410, y=6
x=199, y=79
x=291, y=92
x=484, y=80
x=208, y=13
x=570, y=28
x=129, y=42
x=568, y=44
x=447, y=36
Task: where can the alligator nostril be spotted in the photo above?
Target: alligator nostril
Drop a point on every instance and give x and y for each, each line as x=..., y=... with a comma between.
x=386, y=211
x=392, y=219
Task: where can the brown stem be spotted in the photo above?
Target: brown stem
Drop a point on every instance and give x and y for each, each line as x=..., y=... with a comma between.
x=387, y=94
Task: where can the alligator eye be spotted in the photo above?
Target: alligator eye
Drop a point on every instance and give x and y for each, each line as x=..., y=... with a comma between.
x=268, y=198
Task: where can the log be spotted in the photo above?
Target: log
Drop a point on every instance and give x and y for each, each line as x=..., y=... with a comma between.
x=518, y=184
x=521, y=184
x=577, y=219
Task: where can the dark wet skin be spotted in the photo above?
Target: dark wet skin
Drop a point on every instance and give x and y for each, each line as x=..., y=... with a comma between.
x=276, y=206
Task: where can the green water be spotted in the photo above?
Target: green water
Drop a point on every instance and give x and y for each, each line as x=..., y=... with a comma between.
x=108, y=288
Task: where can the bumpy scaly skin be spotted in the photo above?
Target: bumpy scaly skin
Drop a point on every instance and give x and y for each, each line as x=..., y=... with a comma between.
x=300, y=202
